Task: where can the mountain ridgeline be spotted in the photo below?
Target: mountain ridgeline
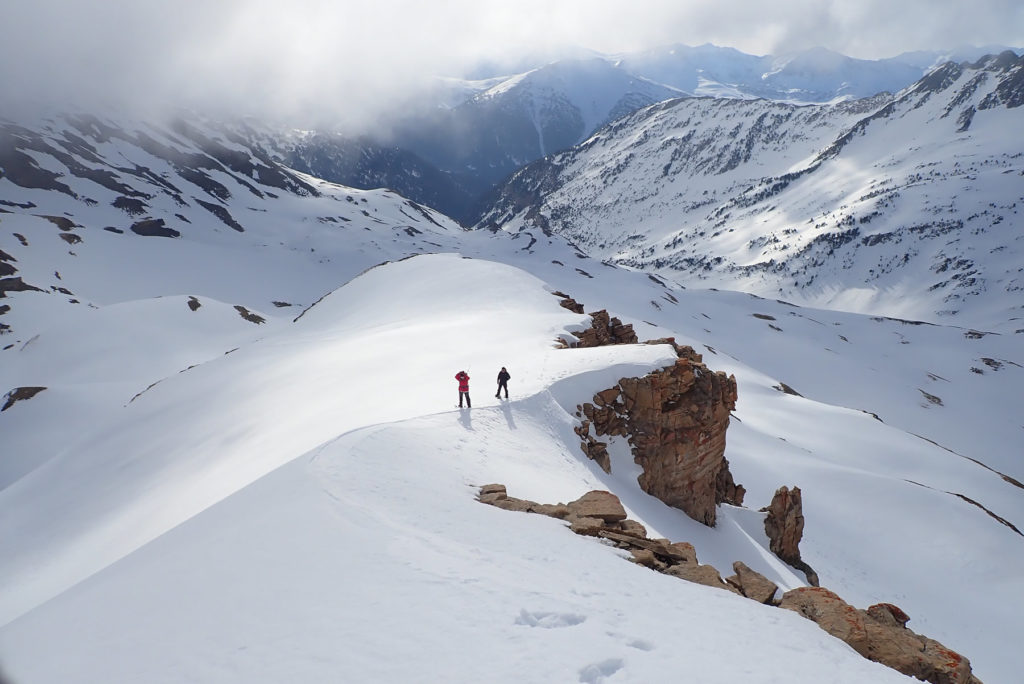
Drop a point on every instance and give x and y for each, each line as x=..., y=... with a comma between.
x=227, y=372
x=907, y=204
x=461, y=139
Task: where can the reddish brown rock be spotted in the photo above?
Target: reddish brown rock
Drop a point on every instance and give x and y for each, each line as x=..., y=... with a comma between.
x=586, y=526
x=887, y=613
x=879, y=634
x=784, y=523
x=568, y=302
x=492, y=493
x=604, y=330
x=675, y=420
x=633, y=528
x=784, y=526
x=598, y=504
x=753, y=585
x=597, y=452
x=701, y=574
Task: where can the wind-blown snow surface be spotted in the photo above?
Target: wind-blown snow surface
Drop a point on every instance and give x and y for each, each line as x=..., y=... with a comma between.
x=200, y=496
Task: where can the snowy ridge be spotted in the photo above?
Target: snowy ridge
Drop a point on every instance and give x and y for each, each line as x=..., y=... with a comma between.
x=904, y=207
x=234, y=500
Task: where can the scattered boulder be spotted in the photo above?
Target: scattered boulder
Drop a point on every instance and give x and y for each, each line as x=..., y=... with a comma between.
x=700, y=574
x=880, y=634
x=752, y=584
x=599, y=504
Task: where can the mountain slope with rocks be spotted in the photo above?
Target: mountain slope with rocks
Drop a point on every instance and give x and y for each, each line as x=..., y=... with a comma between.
x=904, y=207
x=234, y=448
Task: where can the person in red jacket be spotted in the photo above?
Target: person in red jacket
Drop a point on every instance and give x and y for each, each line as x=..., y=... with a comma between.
x=463, y=378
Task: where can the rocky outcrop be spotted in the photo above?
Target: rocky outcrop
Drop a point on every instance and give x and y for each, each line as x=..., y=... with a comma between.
x=600, y=514
x=16, y=284
x=880, y=634
x=19, y=394
x=675, y=421
x=604, y=329
x=568, y=302
x=784, y=525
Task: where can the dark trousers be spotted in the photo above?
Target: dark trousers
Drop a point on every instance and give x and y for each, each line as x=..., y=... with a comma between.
x=502, y=385
x=464, y=394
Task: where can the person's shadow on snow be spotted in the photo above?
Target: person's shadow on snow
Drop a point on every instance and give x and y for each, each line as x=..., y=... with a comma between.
x=465, y=417
x=506, y=408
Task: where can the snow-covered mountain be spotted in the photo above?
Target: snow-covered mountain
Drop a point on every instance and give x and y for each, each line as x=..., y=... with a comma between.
x=904, y=206
x=236, y=458
x=815, y=75
x=360, y=162
x=525, y=117
x=459, y=137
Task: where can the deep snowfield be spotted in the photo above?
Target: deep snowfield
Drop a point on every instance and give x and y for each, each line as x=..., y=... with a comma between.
x=303, y=507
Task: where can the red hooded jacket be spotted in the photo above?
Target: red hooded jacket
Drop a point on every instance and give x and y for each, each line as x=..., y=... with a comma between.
x=463, y=379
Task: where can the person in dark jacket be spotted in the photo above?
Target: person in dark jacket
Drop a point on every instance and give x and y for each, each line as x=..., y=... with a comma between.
x=503, y=378
x=463, y=378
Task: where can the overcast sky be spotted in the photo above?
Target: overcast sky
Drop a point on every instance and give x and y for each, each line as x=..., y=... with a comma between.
x=255, y=54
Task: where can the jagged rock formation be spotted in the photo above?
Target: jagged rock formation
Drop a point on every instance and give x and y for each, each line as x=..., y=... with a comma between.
x=675, y=420
x=784, y=525
x=878, y=633
x=568, y=302
x=604, y=329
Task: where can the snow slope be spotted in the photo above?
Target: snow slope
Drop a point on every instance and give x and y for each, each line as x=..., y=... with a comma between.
x=198, y=496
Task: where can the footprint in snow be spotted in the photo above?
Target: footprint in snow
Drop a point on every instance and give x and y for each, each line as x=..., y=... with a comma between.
x=598, y=672
x=548, y=620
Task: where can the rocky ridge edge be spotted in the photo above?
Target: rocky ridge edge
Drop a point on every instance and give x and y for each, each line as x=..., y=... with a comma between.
x=878, y=633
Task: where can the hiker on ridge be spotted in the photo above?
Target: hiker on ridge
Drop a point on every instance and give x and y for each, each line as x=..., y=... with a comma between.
x=503, y=378
x=463, y=378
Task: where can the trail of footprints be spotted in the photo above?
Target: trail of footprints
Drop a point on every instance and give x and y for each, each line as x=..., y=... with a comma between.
x=593, y=673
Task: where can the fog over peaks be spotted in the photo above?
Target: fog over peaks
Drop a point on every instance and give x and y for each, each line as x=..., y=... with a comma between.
x=346, y=63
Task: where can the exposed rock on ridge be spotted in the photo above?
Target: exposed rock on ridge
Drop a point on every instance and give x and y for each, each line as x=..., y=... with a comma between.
x=784, y=525
x=675, y=420
x=878, y=633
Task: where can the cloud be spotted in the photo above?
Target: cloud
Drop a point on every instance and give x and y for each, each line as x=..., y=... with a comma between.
x=350, y=61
